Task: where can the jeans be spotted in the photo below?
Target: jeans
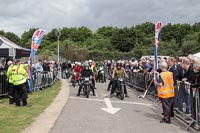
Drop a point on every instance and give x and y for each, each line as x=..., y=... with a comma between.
x=64, y=74
x=184, y=95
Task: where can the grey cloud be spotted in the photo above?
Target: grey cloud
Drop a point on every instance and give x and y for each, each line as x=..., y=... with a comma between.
x=20, y=15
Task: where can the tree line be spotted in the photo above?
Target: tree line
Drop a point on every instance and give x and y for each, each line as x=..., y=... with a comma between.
x=107, y=42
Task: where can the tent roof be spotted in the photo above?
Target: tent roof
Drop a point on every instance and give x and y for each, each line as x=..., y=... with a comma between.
x=6, y=43
x=197, y=54
x=10, y=49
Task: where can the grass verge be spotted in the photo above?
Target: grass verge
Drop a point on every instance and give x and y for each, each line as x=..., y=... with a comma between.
x=14, y=119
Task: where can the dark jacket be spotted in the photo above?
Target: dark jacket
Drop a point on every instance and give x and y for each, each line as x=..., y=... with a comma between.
x=64, y=66
x=190, y=75
x=174, y=71
x=46, y=67
x=197, y=80
x=86, y=73
x=180, y=72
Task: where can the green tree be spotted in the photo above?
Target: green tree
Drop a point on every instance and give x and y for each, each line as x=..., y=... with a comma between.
x=124, y=39
x=13, y=37
x=106, y=31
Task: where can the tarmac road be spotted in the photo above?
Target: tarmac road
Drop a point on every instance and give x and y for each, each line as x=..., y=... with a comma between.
x=132, y=115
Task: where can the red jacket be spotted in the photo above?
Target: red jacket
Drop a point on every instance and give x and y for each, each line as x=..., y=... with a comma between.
x=77, y=69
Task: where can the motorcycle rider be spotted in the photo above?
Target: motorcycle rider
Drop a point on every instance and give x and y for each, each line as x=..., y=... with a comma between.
x=101, y=68
x=86, y=72
x=111, y=80
x=92, y=67
x=119, y=72
x=77, y=70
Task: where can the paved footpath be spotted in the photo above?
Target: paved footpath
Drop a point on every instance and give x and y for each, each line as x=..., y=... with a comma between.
x=100, y=114
x=46, y=120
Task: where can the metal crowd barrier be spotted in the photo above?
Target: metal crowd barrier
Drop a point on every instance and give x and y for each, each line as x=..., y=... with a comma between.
x=141, y=81
x=43, y=79
x=188, y=105
x=40, y=80
x=3, y=84
x=186, y=97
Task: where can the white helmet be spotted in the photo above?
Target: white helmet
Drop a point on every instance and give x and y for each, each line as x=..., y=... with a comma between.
x=9, y=62
x=90, y=61
x=79, y=64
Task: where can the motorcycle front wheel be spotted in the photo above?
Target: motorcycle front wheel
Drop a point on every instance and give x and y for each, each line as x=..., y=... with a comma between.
x=122, y=93
x=88, y=91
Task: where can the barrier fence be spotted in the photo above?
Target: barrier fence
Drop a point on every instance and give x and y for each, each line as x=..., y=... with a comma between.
x=40, y=80
x=43, y=79
x=186, y=100
x=3, y=84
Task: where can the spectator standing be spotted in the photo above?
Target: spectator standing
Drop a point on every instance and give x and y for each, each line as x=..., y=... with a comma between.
x=11, y=90
x=39, y=66
x=19, y=78
x=189, y=76
x=166, y=91
x=39, y=69
x=172, y=68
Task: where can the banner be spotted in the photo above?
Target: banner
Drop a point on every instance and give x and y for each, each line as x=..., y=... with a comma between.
x=158, y=27
x=35, y=44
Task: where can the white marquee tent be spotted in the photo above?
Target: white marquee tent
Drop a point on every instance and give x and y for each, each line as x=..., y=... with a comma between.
x=10, y=49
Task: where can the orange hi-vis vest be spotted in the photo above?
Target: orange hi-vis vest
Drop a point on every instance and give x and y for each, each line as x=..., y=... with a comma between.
x=167, y=90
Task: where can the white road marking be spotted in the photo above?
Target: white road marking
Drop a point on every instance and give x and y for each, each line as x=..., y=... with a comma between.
x=97, y=94
x=110, y=108
x=105, y=95
x=87, y=99
x=134, y=103
x=121, y=102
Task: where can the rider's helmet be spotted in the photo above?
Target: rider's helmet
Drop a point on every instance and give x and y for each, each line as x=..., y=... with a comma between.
x=86, y=66
x=79, y=64
x=90, y=62
x=119, y=65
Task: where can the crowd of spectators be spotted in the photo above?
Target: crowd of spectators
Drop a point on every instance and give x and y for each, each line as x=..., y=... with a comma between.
x=186, y=76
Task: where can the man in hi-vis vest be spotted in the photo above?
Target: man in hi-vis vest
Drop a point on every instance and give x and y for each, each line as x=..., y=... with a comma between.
x=166, y=91
x=19, y=78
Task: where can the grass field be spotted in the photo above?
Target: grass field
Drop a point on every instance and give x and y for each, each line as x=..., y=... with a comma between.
x=14, y=119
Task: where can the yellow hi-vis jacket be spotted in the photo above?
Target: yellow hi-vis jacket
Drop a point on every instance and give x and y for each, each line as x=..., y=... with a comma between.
x=9, y=75
x=166, y=90
x=91, y=68
x=18, y=74
x=100, y=68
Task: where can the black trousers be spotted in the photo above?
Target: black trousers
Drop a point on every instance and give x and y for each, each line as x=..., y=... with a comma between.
x=21, y=94
x=93, y=82
x=11, y=93
x=109, y=85
x=114, y=86
x=167, y=104
x=81, y=86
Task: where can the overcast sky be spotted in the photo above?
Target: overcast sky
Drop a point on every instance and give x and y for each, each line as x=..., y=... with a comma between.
x=20, y=15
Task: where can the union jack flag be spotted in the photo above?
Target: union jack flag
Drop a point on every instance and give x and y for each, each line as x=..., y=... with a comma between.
x=36, y=40
x=158, y=28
